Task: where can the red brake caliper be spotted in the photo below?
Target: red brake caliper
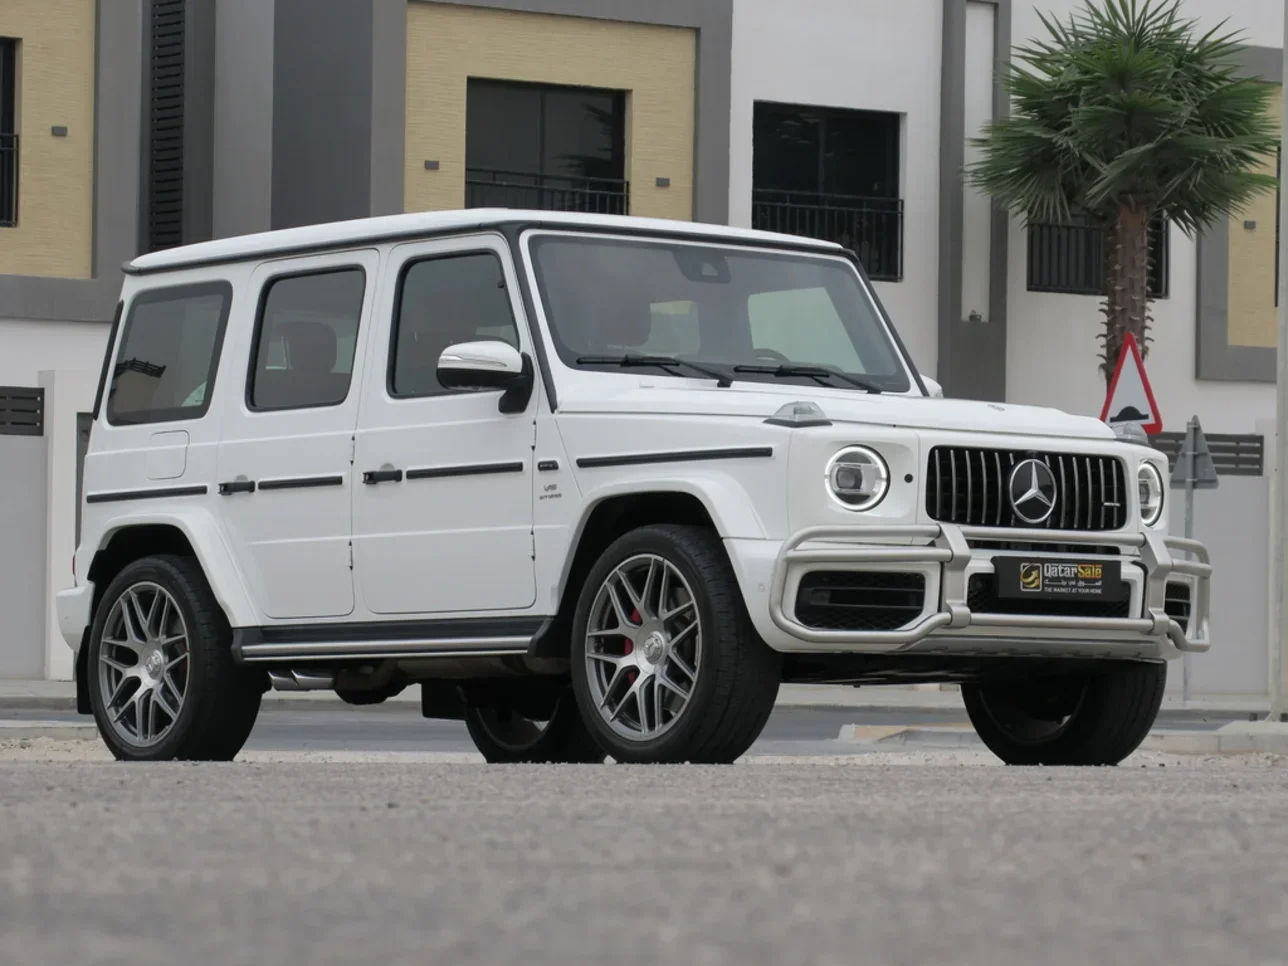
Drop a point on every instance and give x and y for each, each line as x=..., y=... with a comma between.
x=635, y=619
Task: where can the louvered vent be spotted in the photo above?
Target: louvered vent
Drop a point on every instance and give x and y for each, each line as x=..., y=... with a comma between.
x=165, y=141
x=22, y=411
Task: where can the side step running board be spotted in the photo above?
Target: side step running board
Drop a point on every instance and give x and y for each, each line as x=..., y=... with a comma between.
x=275, y=651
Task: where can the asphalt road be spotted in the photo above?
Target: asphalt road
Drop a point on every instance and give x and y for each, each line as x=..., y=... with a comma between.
x=839, y=861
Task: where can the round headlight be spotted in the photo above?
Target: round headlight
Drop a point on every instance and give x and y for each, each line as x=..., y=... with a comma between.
x=1149, y=481
x=857, y=478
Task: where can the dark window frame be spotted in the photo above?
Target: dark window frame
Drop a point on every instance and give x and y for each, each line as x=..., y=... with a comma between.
x=395, y=322
x=819, y=211
x=1161, y=258
x=258, y=332
x=605, y=189
x=173, y=293
x=10, y=158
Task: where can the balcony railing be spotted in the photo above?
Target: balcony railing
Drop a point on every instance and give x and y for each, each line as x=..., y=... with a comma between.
x=872, y=228
x=1073, y=259
x=8, y=180
x=515, y=189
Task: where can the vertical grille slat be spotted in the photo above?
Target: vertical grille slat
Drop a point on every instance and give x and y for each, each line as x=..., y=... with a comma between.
x=1103, y=508
x=952, y=462
x=983, y=475
x=1001, y=487
x=1088, y=497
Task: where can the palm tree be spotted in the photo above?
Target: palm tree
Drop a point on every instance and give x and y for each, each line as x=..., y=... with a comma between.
x=1122, y=113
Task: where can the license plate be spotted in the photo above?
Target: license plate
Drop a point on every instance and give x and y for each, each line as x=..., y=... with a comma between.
x=1037, y=579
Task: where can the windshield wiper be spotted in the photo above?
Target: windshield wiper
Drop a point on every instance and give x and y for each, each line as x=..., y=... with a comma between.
x=818, y=373
x=662, y=362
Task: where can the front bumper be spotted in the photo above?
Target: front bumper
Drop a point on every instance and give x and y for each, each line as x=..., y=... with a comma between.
x=948, y=624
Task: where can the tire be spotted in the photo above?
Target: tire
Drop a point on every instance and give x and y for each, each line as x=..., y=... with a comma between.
x=730, y=674
x=216, y=701
x=505, y=737
x=1089, y=719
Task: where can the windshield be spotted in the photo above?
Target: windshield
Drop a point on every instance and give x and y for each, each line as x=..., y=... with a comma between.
x=721, y=307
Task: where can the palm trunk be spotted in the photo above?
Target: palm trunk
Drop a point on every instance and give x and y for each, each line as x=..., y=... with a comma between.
x=1126, y=307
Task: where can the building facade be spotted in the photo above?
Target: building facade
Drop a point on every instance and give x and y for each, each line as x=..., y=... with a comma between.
x=132, y=125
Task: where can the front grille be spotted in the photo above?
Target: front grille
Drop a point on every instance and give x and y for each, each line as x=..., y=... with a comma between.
x=982, y=598
x=1176, y=603
x=970, y=487
x=841, y=600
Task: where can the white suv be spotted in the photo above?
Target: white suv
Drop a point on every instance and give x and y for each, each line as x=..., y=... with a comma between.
x=598, y=485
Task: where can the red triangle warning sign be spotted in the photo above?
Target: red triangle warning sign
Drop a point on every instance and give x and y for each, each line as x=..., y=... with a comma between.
x=1130, y=399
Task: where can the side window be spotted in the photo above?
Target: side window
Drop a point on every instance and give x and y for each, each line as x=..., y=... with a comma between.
x=305, y=340
x=442, y=302
x=169, y=353
x=803, y=326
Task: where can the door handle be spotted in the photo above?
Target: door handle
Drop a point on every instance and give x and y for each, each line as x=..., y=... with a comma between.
x=237, y=486
x=371, y=477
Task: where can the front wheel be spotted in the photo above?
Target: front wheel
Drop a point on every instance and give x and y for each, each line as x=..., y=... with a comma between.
x=1097, y=718
x=665, y=662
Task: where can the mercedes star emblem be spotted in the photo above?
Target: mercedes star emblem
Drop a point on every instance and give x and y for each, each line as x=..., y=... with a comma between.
x=1032, y=489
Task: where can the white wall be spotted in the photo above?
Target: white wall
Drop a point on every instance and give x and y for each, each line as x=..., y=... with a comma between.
x=866, y=55
x=28, y=348
x=1052, y=347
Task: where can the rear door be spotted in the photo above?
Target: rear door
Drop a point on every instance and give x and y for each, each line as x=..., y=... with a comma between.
x=285, y=473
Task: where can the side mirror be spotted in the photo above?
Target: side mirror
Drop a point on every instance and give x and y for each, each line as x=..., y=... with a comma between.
x=935, y=389
x=488, y=365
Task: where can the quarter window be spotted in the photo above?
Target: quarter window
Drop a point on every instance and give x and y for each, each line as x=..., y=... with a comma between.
x=443, y=302
x=307, y=336
x=169, y=352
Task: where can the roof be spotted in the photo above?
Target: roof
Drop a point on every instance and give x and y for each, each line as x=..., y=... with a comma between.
x=346, y=234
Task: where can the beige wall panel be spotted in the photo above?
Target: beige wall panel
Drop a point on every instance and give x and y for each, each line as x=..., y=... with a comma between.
x=54, y=235
x=447, y=44
x=1253, y=319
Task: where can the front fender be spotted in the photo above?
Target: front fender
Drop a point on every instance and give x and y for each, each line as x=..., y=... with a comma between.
x=216, y=560
x=730, y=506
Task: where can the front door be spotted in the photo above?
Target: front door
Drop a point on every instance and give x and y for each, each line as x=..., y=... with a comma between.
x=444, y=522
x=285, y=477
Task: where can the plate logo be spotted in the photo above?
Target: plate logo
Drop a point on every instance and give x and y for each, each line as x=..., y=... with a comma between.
x=1031, y=577
x=1032, y=491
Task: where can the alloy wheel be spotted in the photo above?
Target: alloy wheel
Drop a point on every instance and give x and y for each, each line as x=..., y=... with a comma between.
x=143, y=664
x=643, y=647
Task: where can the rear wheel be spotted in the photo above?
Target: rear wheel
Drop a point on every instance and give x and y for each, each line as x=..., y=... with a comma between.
x=665, y=662
x=1098, y=718
x=163, y=684
x=503, y=735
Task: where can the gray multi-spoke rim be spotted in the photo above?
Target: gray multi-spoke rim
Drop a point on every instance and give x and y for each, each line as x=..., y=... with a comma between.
x=643, y=647
x=143, y=664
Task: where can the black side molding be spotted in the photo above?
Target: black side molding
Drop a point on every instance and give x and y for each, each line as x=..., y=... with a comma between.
x=121, y=496
x=413, y=630
x=302, y=483
x=678, y=456
x=477, y=469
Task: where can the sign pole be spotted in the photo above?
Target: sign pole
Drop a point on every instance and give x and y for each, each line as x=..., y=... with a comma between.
x=1191, y=477
x=1279, y=595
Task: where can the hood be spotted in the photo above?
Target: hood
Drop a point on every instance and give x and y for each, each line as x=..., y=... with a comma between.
x=642, y=395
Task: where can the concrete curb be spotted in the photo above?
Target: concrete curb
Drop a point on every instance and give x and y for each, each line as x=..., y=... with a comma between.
x=1236, y=738
x=18, y=730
